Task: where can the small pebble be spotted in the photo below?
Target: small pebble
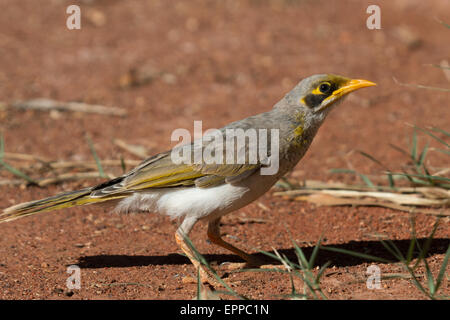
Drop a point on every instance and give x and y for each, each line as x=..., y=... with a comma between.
x=188, y=280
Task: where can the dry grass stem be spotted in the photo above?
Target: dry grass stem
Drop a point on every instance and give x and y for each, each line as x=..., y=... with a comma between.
x=44, y=104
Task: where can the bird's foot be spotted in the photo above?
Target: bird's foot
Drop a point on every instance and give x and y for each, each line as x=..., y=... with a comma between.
x=251, y=263
x=233, y=266
x=211, y=278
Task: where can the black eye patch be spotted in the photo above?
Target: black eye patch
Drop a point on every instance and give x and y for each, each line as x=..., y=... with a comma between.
x=314, y=100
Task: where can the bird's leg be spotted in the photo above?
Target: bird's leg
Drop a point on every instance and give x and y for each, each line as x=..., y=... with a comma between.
x=180, y=238
x=215, y=237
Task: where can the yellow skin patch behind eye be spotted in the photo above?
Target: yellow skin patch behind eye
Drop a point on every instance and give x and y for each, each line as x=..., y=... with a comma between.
x=316, y=91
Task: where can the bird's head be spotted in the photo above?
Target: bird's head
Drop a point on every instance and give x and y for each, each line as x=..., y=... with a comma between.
x=316, y=94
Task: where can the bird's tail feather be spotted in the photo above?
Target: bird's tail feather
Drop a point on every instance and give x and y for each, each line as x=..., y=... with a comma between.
x=60, y=201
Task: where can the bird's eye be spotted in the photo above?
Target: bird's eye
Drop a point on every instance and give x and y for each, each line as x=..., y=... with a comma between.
x=325, y=87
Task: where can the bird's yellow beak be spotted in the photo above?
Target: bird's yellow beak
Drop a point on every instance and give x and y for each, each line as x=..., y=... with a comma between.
x=348, y=87
x=352, y=85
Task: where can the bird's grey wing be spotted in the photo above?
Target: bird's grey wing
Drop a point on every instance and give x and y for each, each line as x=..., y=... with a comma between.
x=160, y=171
x=238, y=162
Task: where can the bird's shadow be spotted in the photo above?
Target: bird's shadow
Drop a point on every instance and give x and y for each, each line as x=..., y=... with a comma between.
x=373, y=248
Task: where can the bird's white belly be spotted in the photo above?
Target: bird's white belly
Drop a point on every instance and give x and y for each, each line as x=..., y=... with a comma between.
x=198, y=202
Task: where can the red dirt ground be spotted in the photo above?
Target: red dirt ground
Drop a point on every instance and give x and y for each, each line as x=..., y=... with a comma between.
x=226, y=60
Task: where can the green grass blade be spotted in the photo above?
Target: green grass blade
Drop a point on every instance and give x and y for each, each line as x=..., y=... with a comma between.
x=342, y=170
x=396, y=249
x=9, y=168
x=387, y=246
x=199, y=257
x=440, y=67
x=426, y=172
x=313, y=257
x=307, y=282
x=424, y=176
x=435, y=129
x=293, y=291
x=412, y=243
x=273, y=256
x=391, y=180
x=427, y=245
x=372, y=158
x=303, y=262
x=363, y=177
x=393, y=146
x=416, y=282
x=440, y=276
x=433, y=136
x=366, y=180
x=422, y=155
x=17, y=172
x=414, y=146
x=355, y=254
x=122, y=164
x=324, y=297
x=2, y=146
x=303, y=265
x=430, y=280
x=443, y=151
x=444, y=24
x=321, y=271
x=97, y=160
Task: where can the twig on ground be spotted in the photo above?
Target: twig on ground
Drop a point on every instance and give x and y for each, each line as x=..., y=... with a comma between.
x=136, y=150
x=329, y=200
x=402, y=198
x=44, y=104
